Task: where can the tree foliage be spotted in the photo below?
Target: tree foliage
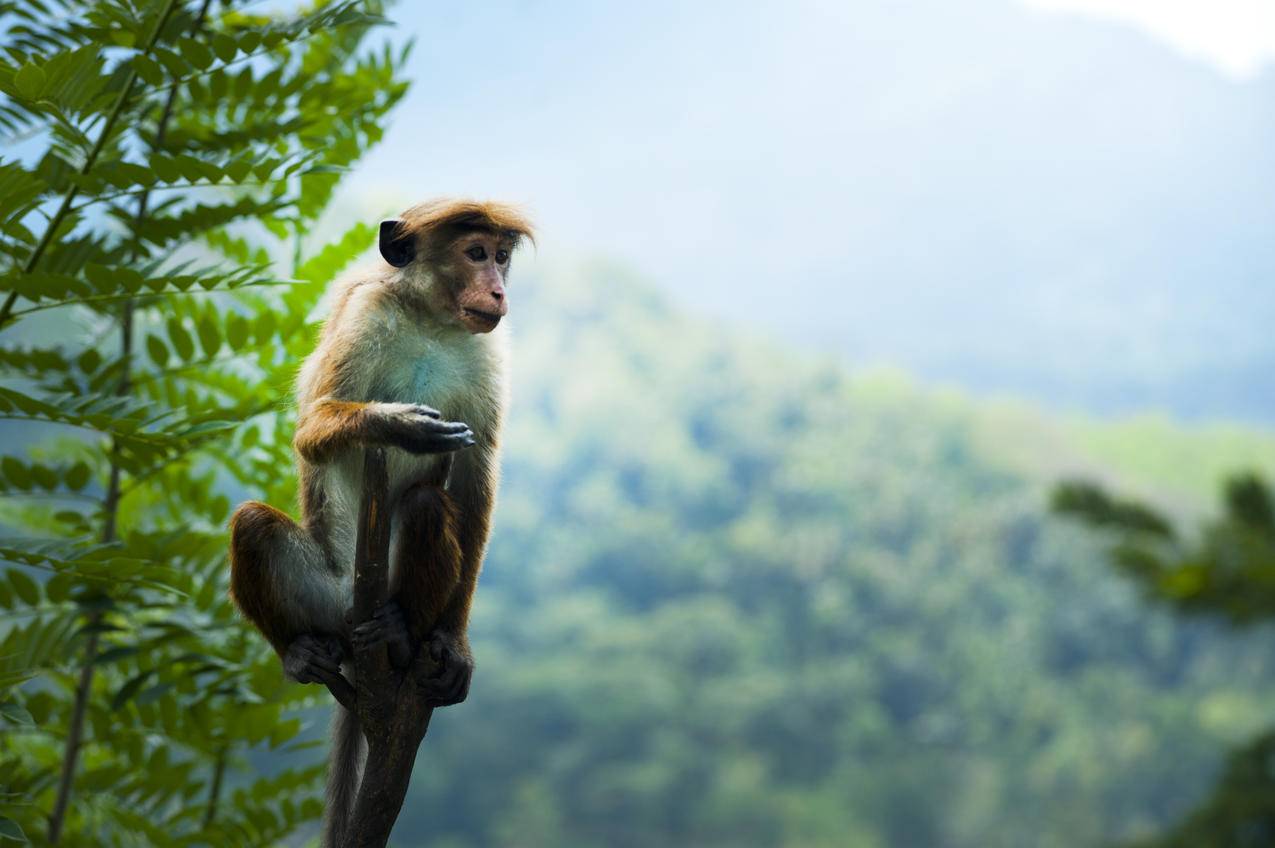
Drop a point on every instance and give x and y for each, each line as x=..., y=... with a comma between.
x=163, y=155
x=1227, y=571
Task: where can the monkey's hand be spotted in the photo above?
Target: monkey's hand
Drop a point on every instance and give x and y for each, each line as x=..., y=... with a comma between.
x=420, y=429
x=450, y=684
x=313, y=659
x=386, y=627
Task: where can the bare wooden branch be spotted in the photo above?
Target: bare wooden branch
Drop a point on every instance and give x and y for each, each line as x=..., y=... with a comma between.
x=389, y=702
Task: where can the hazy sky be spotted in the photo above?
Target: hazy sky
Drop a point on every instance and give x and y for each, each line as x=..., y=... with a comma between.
x=985, y=190
x=1237, y=36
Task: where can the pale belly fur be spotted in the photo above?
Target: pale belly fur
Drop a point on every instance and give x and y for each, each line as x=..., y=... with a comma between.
x=431, y=374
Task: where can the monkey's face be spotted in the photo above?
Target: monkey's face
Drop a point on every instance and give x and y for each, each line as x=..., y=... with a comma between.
x=459, y=263
x=481, y=262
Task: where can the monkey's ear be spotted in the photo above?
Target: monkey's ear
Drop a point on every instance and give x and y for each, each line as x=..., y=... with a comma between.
x=397, y=251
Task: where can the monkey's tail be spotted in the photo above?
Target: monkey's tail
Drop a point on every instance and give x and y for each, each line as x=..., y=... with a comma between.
x=345, y=767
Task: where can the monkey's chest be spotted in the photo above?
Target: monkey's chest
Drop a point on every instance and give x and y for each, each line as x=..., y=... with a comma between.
x=430, y=374
x=448, y=378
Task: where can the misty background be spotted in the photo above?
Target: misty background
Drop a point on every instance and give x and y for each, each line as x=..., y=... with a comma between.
x=1068, y=201
x=826, y=297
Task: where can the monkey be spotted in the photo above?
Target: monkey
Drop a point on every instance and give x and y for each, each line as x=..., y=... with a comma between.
x=411, y=356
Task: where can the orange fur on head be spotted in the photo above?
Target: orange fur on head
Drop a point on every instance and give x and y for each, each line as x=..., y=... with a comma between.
x=435, y=222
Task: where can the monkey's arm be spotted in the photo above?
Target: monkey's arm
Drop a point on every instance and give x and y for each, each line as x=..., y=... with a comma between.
x=329, y=426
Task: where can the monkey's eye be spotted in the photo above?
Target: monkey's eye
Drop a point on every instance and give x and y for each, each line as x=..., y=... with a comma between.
x=477, y=253
x=502, y=256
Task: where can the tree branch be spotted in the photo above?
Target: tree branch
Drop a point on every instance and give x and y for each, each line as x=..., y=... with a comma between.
x=389, y=702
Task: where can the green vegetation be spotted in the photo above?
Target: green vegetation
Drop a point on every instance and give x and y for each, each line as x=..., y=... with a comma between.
x=164, y=151
x=737, y=597
x=1228, y=573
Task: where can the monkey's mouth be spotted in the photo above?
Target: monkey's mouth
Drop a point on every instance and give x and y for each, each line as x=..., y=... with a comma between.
x=488, y=319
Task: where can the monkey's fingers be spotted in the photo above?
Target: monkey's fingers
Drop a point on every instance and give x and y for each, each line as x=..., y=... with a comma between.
x=427, y=411
x=308, y=656
x=388, y=616
x=450, y=682
x=389, y=611
x=321, y=663
x=430, y=442
x=451, y=686
x=442, y=428
x=368, y=634
x=332, y=648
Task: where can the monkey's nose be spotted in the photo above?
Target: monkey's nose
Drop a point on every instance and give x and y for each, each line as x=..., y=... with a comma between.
x=498, y=295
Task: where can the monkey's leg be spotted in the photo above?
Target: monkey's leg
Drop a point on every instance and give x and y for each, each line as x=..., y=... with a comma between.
x=280, y=580
x=427, y=567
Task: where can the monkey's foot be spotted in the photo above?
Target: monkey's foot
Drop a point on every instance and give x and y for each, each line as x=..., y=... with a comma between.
x=450, y=685
x=317, y=659
x=387, y=627
x=313, y=659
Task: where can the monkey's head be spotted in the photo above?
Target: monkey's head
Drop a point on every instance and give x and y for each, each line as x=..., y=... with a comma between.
x=459, y=251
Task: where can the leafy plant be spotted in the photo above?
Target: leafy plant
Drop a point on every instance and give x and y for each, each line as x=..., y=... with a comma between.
x=163, y=154
x=1229, y=571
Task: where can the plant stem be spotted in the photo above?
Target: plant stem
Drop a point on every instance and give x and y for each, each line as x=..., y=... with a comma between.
x=84, y=688
x=214, y=792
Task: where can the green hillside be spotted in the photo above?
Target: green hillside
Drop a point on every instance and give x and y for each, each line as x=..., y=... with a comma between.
x=739, y=597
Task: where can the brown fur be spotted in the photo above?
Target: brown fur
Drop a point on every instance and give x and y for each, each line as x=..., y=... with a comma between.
x=436, y=222
x=429, y=559
x=255, y=531
x=475, y=496
x=335, y=426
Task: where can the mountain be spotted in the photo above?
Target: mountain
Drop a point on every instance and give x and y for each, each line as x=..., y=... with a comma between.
x=736, y=596
x=985, y=194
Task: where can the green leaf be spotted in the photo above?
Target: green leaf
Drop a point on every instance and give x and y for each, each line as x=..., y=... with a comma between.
x=16, y=713
x=24, y=587
x=153, y=694
x=129, y=689
x=19, y=189
x=157, y=351
x=30, y=81
x=224, y=46
x=149, y=70
x=209, y=336
x=166, y=167
x=237, y=331
x=195, y=53
x=45, y=477
x=58, y=588
x=77, y=476
x=10, y=830
x=15, y=472
x=114, y=654
x=180, y=339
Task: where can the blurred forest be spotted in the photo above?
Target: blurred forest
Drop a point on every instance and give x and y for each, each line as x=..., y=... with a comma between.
x=736, y=594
